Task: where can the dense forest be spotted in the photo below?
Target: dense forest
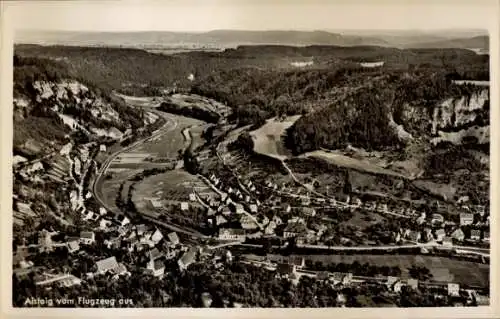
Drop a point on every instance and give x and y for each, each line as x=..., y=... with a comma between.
x=257, y=82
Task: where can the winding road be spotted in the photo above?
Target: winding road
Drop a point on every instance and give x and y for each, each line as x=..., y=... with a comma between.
x=170, y=125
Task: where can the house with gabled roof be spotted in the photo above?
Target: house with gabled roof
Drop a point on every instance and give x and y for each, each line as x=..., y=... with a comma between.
x=156, y=236
x=73, y=246
x=156, y=267
x=110, y=265
x=154, y=253
x=458, y=234
x=220, y=220
x=253, y=208
x=187, y=258
x=173, y=238
x=248, y=222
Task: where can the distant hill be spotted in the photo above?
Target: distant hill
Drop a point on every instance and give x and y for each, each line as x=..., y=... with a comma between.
x=216, y=38
x=234, y=38
x=478, y=42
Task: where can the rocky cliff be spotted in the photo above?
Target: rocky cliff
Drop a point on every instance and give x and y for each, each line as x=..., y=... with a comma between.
x=454, y=119
x=48, y=113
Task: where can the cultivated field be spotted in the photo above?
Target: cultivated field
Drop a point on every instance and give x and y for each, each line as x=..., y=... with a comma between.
x=141, y=101
x=169, y=144
x=268, y=138
x=110, y=187
x=341, y=160
x=443, y=269
x=172, y=186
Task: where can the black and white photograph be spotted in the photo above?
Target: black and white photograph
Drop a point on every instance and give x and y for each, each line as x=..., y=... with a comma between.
x=249, y=154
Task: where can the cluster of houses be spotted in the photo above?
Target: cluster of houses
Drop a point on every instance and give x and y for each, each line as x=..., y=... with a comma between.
x=436, y=228
x=150, y=244
x=293, y=267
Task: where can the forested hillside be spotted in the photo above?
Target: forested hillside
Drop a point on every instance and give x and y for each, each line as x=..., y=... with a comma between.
x=259, y=82
x=51, y=105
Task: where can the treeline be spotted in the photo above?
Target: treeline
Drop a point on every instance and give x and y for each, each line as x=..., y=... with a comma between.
x=356, y=268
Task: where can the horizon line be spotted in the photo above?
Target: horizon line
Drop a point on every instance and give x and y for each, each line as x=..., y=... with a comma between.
x=258, y=30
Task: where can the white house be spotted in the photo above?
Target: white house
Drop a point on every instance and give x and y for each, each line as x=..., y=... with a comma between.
x=157, y=236
x=184, y=206
x=239, y=208
x=110, y=265
x=192, y=197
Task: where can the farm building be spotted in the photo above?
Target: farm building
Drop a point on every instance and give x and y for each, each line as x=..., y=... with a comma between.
x=184, y=206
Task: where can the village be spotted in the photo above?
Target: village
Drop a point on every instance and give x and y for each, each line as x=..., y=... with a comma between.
x=117, y=248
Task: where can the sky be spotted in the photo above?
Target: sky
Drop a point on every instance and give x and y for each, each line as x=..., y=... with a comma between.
x=204, y=15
